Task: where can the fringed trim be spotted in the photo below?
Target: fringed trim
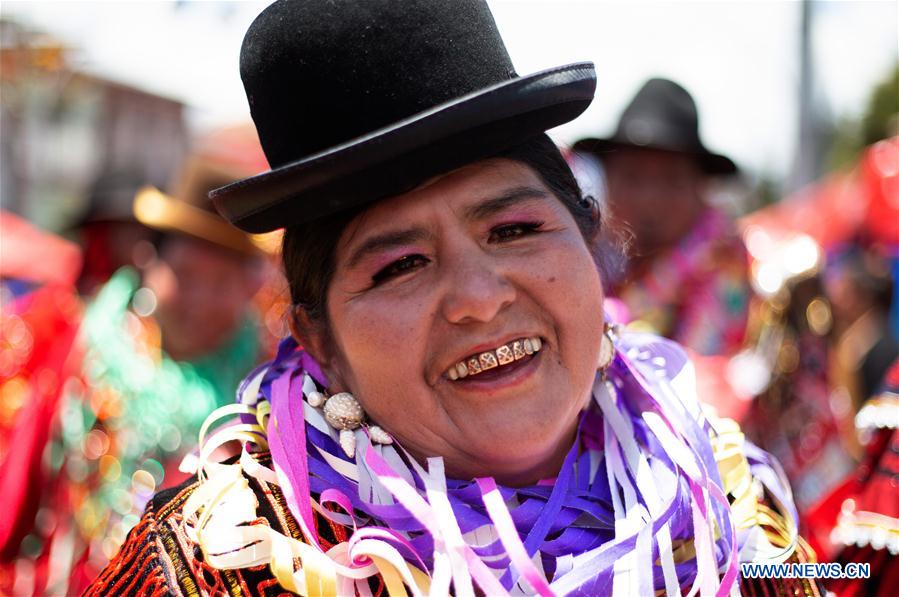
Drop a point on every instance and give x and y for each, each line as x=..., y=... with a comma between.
x=863, y=528
x=881, y=412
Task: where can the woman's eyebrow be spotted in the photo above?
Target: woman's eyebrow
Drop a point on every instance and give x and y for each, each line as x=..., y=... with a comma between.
x=387, y=240
x=497, y=204
x=484, y=209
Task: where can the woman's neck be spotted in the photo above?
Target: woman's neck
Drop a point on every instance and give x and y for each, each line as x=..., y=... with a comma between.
x=521, y=473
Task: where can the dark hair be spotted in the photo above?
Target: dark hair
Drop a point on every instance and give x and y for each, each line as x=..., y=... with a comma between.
x=308, y=248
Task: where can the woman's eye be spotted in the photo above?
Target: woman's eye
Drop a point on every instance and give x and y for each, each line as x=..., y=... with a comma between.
x=399, y=267
x=512, y=231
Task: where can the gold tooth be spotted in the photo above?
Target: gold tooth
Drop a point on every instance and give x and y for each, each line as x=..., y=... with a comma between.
x=462, y=370
x=474, y=366
x=504, y=355
x=488, y=360
x=526, y=345
x=517, y=350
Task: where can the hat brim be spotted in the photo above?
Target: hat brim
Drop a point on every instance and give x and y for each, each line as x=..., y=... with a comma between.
x=709, y=162
x=397, y=158
x=155, y=209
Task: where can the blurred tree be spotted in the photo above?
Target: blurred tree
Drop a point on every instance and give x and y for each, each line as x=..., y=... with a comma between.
x=846, y=144
x=878, y=121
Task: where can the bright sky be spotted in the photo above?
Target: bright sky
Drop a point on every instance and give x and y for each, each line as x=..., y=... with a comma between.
x=739, y=58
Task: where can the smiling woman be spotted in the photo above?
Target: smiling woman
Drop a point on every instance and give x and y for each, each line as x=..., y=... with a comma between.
x=478, y=248
x=448, y=274
x=461, y=418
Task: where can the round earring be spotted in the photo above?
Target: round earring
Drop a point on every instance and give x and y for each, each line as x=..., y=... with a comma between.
x=344, y=413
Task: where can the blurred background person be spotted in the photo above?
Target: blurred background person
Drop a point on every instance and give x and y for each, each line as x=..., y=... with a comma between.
x=158, y=350
x=685, y=275
x=196, y=292
x=858, y=284
x=823, y=333
x=794, y=412
x=109, y=234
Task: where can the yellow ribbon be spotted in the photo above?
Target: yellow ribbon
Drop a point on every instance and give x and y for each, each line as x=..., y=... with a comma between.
x=235, y=544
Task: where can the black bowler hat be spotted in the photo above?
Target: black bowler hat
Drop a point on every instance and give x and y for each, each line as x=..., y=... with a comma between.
x=661, y=116
x=355, y=101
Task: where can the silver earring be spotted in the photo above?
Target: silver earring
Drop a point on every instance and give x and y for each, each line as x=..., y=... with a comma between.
x=344, y=413
x=606, y=349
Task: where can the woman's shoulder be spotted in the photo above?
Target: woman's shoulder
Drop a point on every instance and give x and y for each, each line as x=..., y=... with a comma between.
x=142, y=564
x=160, y=558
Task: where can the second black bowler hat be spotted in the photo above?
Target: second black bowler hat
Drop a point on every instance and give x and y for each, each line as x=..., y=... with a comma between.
x=355, y=101
x=662, y=116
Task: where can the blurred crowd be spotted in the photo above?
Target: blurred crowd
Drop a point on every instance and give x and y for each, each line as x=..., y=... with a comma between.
x=789, y=311
x=116, y=347
x=122, y=330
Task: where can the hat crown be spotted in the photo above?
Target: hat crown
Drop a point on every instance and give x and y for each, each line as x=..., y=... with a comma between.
x=319, y=73
x=662, y=113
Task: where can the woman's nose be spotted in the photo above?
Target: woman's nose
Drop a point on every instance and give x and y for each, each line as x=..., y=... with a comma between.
x=476, y=289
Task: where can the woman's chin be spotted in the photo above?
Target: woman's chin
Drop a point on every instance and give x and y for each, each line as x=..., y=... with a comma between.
x=515, y=458
x=526, y=439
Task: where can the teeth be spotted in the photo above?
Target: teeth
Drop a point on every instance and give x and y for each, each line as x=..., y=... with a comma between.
x=462, y=370
x=518, y=350
x=504, y=354
x=490, y=359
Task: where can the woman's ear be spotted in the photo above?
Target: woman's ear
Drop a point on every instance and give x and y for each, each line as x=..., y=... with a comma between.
x=309, y=334
x=313, y=337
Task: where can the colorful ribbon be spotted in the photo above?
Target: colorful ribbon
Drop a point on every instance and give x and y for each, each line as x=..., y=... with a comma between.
x=638, y=506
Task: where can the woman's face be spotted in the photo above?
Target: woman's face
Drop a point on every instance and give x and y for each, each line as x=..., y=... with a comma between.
x=475, y=260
